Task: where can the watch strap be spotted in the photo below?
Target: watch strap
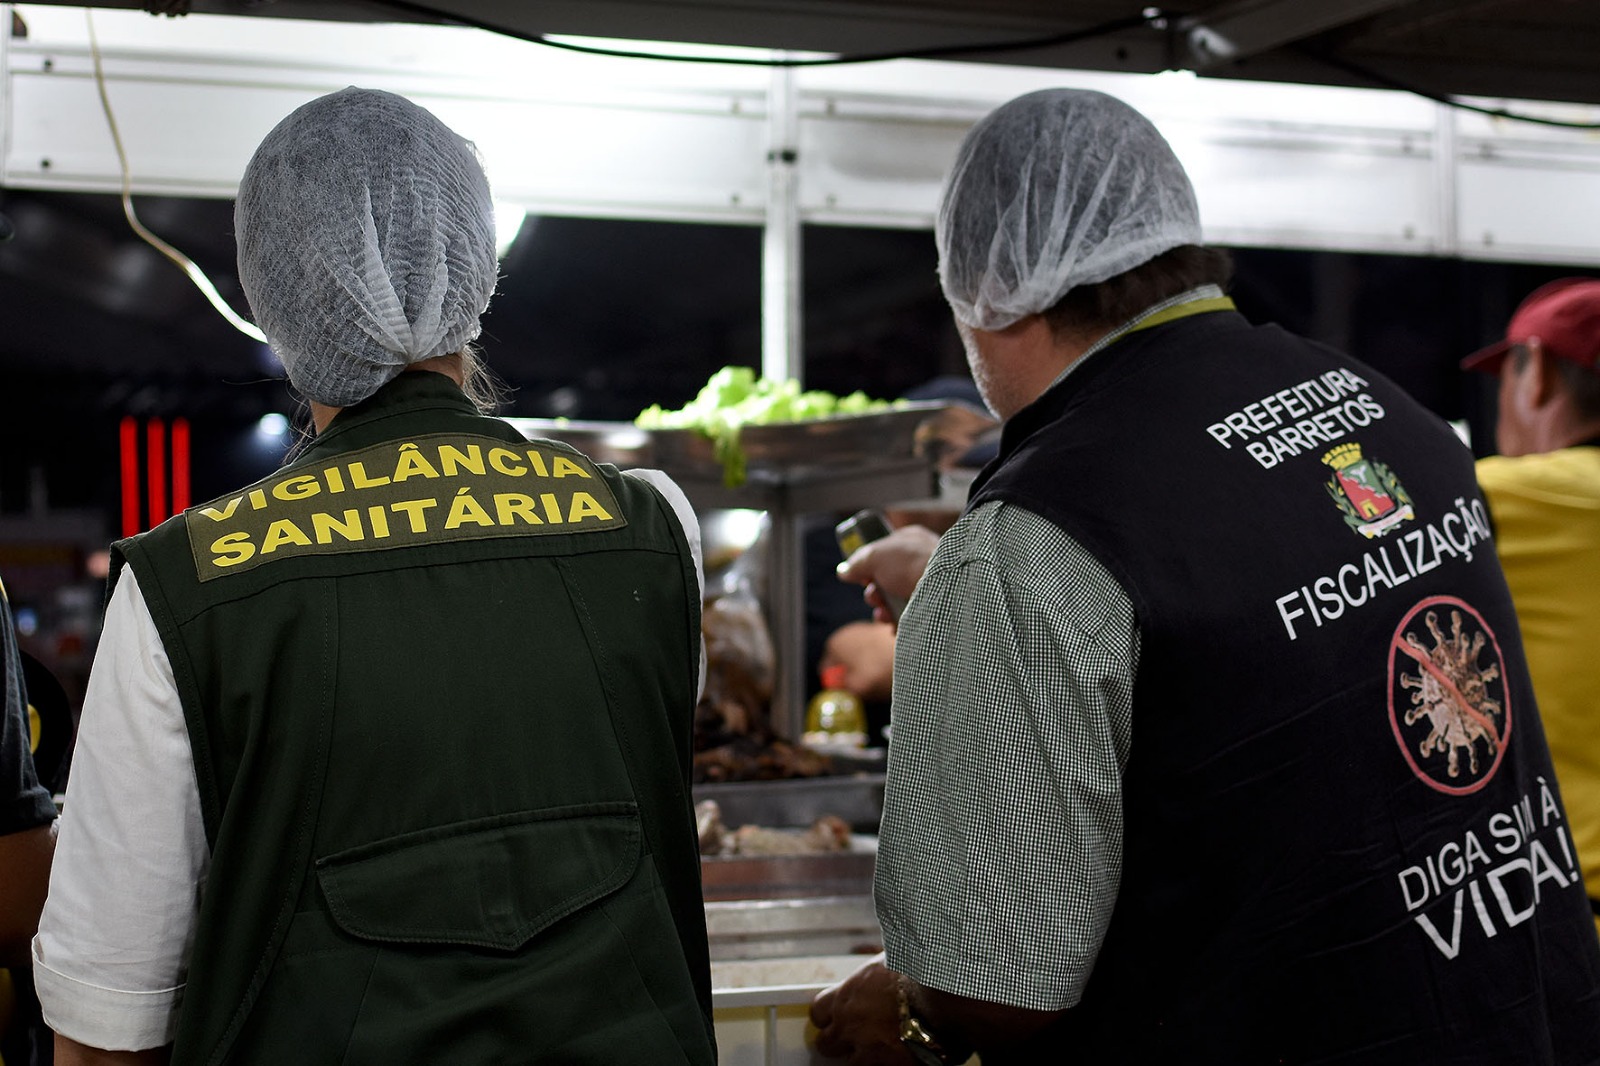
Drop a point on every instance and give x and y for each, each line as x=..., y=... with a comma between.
x=917, y=1039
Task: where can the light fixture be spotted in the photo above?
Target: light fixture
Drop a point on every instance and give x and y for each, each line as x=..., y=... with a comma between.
x=508, y=219
x=273, y=426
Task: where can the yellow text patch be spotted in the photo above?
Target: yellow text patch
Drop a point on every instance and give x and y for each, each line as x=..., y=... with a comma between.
x=427, y=490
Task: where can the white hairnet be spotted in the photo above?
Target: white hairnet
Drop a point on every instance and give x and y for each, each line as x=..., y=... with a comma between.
x=1053, y=190
x=366, y=242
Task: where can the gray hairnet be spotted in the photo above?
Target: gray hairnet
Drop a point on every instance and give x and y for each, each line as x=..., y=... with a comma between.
x=1056, y=189
x=366, y=242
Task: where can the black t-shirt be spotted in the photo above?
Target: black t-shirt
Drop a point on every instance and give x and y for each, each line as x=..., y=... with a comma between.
x=24, y=803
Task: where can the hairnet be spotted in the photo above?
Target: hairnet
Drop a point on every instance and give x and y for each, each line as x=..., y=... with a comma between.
x=1056, y=189
x=366, y=241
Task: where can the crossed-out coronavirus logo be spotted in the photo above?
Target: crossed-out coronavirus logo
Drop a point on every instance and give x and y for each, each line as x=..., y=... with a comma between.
x=1448, y=701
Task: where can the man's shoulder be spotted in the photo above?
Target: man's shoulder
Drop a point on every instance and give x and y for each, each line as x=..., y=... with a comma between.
x=1568, y=470
x=1501, y=467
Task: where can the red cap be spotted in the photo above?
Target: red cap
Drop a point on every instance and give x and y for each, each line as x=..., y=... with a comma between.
x=1565, y=317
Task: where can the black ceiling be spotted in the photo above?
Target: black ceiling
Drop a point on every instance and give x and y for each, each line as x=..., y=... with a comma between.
x=1495, y=48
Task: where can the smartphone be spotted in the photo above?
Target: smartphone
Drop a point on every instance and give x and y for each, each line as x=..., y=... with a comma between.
x=862, y=528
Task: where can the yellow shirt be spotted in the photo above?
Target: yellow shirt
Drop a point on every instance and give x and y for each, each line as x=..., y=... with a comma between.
x=1546, y=511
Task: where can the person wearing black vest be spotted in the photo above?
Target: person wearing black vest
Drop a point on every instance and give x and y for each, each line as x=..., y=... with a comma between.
x=1213, y=734
x=385, y=758
x=27, y=813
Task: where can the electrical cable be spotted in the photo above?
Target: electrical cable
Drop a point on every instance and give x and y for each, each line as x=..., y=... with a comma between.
x=184, y=263
x=1154, y=17
x=1377, y=78
x=1147, y=17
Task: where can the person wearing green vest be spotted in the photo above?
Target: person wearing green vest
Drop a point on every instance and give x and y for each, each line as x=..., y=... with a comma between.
x=385, y=758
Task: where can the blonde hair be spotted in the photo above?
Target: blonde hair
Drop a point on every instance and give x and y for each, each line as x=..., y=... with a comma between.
x=480, y=384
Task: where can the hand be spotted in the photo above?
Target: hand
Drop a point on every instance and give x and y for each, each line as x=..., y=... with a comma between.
x=858, y=1020
x=891, y=567
x=866, y=651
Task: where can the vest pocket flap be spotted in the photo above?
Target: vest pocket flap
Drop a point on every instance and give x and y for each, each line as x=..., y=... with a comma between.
x=491, y=882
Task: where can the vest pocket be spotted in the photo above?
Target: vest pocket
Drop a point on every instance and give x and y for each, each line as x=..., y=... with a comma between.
x=489, y=882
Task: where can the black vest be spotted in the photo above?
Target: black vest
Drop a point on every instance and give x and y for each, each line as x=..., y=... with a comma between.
x=1343, y=836
x=439, y=683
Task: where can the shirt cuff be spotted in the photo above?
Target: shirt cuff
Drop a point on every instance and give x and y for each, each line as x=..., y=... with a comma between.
x=105, y=1018
x=30, y=810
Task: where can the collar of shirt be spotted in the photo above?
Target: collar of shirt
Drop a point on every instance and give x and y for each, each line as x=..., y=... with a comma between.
x=1196, y=301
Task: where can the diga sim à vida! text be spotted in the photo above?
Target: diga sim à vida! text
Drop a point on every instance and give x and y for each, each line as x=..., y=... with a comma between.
x=1495, y=877
x=427, y=490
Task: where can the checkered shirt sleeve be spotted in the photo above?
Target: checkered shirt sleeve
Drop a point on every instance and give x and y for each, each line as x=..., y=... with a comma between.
x=1001, y=843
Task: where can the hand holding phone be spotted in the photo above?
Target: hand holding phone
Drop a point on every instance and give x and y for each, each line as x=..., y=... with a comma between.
x=864, y=528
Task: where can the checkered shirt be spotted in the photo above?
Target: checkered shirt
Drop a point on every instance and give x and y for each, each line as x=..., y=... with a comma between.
x=1001, y=842
x=1000, y=850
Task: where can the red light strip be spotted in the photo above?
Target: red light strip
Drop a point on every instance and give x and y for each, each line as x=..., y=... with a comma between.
x=129, y=431
x=155, y=462
x=180, y=465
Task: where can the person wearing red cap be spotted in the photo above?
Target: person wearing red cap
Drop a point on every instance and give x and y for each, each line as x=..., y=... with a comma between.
x=1543, y=491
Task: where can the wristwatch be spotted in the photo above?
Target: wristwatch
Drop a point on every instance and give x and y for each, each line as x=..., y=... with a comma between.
x=916, y=1039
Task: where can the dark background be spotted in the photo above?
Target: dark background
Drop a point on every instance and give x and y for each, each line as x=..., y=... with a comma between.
x=594, y=319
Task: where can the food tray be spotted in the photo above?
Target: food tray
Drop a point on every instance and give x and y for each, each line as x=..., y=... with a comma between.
x=834, y=440
x=841, y=873
x=877, y=436
x=620, y=443
x=797, y=802
x=792, y=928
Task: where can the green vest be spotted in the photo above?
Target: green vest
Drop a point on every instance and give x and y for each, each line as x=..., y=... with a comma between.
x=439, y=683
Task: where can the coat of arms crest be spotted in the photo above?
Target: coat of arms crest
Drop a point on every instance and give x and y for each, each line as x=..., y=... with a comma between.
x=1371, y=497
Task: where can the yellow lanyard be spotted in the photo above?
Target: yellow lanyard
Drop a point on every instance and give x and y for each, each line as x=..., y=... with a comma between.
x=1193, y=307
